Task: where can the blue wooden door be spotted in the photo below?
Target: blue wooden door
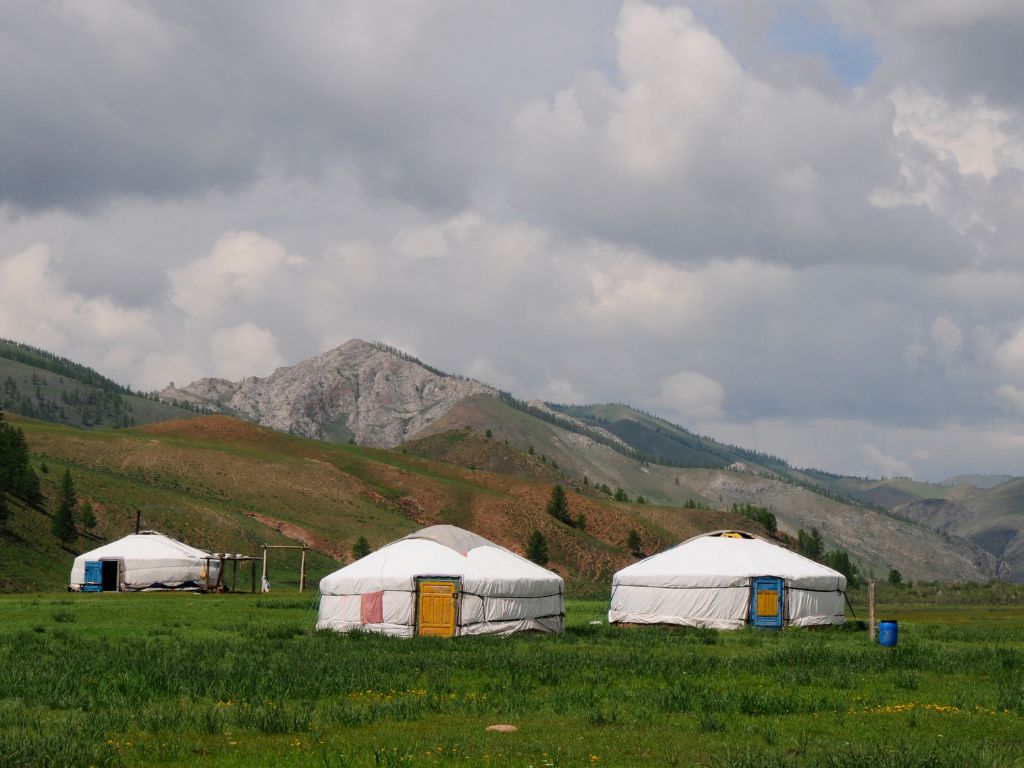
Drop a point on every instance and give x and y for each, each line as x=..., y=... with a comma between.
x=767, y=602
x=93, y=576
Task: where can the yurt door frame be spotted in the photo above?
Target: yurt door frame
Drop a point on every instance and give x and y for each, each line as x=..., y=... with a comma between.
x=767, y=602
x=437, y=605
x=112, y=567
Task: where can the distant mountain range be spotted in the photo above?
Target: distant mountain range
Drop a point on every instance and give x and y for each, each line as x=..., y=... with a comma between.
x=979, y=481
x=372, y=395
x=375, y=395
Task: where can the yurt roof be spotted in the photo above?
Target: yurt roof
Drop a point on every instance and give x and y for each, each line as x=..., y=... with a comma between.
x=145, y=545
x=485, y=568
x=727, y=559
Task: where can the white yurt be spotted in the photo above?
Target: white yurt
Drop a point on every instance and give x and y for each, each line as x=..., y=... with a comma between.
x=442, y=581
x=144, y=561
x=726, y=580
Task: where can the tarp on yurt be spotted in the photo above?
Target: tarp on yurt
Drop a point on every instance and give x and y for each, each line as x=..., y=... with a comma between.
x=725, y=580
x=142, y=561
x=442, y=581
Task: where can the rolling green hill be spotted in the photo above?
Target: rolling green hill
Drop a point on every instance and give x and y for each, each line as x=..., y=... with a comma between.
x=876, y=538
x=227, y=485
x=40, y=385
x=662, y=441
x=190, y=480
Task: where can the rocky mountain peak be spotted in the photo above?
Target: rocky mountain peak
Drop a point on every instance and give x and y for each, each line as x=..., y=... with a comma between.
x=361, y=391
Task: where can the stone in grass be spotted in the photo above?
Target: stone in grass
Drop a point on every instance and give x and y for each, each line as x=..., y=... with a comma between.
x=502, y=728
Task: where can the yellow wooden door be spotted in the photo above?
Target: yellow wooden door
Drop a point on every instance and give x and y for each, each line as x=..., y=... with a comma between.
x=436, y=608
x=767, y=603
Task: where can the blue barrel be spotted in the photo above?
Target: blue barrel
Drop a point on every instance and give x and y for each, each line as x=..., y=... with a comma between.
x=888, y=632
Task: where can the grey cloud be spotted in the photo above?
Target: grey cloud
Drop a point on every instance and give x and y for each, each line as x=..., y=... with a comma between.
x=178, y=99
x=960, y=49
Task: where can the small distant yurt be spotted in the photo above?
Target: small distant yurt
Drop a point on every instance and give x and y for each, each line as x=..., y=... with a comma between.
x=144, y=561
x=726, y=580
x=442, y=581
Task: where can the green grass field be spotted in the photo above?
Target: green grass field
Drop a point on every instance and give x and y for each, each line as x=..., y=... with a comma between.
x=182, y=679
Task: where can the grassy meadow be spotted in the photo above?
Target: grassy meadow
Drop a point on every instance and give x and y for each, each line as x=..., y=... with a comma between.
x=182, y=679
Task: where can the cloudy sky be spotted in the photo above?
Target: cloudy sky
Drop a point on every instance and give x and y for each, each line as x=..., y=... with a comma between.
x=796, y=226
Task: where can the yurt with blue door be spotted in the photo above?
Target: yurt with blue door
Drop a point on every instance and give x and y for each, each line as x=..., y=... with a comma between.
x=726, y=580
x=442, y=581
x=144, y=561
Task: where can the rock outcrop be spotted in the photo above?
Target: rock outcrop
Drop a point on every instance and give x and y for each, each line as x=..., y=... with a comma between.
x=357, y=391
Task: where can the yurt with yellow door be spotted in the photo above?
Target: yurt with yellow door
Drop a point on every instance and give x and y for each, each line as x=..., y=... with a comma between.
x=442, y=581
x=726, y=580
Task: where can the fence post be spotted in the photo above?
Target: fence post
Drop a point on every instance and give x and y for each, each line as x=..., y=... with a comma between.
x=871, y=609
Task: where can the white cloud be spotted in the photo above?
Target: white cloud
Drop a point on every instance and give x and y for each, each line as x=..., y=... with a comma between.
x=1011, y=397
x=690, y=155
x=947, y=339
x=691, y=396
x=241, y=267
x=35, y=307
x=244, y=350
x=1009, y=355
x=559, y=390
x=482, y=369
x=433, y=242
x=885, y=465
x=158, y=369
x=978, y=137
x=842, y=445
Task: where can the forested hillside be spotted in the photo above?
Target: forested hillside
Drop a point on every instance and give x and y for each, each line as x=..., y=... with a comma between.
x=40, y=385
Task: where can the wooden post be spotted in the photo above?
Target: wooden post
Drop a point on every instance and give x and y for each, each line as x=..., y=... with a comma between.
x=871, y=609
x=263, y=578
x=302, y=570
x=234, y=573
x=252, y=573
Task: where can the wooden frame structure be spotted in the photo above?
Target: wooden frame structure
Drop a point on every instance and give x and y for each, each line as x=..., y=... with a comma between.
x=220, y=584
x=302, y=565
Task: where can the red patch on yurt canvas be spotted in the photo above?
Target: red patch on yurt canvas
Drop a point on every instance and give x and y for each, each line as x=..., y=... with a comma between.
x=371, y=608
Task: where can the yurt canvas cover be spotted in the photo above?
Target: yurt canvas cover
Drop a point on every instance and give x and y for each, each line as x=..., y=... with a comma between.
x=442, y=581
x=726, y=580
x=147, y=561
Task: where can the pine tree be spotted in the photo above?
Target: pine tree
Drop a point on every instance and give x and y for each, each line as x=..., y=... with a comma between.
x=17, y=477
x=87, y=517
x=64, y=518
x=537, y=548
x=633, y=543
x=5, y=511
x=361, y=548
x=558, y=505
x=810, y=545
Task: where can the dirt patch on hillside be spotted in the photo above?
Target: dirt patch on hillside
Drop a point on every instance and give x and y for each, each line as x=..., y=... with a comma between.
x=300, y=534
x=471, y=449
x=213, y=427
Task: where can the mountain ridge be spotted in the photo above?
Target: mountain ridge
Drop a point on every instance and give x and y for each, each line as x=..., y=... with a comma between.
x=358, y=391
x=377, y=396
